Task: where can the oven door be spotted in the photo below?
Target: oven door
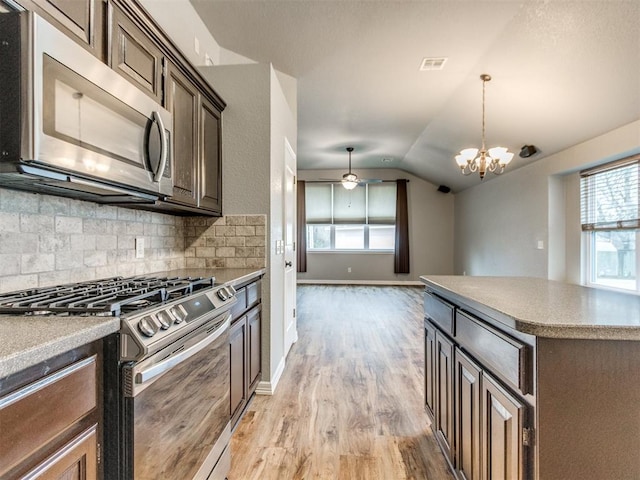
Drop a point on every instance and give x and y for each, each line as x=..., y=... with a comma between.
x=176, y=408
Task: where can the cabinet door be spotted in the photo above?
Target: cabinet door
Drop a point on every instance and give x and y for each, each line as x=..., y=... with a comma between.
x=210, y=181
x=444, y=394
x=429, y=368
x=467, y=408
x=182, y=101
x=503, y=418
x=82, y=20
x=255, y=351
x=75, y=461
x=238, y=349
x=134, y=55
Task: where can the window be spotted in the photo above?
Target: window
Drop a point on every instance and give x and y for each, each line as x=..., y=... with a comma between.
x=610, y=217
x=361, y=219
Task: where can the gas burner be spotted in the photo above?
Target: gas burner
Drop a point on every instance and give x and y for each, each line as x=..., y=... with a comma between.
x=110, y=296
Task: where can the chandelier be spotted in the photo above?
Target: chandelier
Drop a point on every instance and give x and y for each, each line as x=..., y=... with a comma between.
x=349, y=180
x=494, y=160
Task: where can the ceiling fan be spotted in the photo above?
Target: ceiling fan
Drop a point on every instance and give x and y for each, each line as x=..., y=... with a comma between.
x=350, y=180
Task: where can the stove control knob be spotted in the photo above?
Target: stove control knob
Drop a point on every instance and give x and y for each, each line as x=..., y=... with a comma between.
x=165, y=319
x=222, y=294
x=147, y=326
x=179, y=314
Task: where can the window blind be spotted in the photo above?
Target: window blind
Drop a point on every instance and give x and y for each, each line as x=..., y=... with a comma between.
x=349, y=206
x=318, y=203
x=382, y=203
x=374, y=204
x=609, y=197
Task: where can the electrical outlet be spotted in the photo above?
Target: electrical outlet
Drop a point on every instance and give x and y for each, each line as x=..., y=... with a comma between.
x=139, y=247
x=540, y=244
x=348, y=269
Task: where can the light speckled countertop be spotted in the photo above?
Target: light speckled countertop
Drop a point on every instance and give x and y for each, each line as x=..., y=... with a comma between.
x=545, y=308
x=28, y=340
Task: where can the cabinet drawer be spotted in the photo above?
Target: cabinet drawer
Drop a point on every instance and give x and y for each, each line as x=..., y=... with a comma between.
x=254, y=293
x=36, y=414
x=500, y=353
x=440, y=312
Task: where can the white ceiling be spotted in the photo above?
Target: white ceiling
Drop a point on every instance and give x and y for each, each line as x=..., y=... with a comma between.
x=563, y=72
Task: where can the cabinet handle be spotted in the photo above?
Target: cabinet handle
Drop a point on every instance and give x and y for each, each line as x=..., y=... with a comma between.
x=163, y=140
x=288, y=264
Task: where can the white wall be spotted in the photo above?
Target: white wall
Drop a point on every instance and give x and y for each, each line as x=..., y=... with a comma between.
x=430, y=236
x=498, y=223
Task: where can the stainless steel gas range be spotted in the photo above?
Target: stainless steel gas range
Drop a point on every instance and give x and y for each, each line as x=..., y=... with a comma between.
x=166, y=372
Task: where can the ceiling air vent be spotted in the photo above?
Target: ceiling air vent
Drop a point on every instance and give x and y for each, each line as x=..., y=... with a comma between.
x=432, y=63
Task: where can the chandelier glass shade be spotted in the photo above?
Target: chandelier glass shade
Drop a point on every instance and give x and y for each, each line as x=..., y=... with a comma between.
x=494, y=160
x=349, y=180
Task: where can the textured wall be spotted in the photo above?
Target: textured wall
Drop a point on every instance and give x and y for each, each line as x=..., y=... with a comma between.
x=47, y=240
x=498, y=223
x=430, y=236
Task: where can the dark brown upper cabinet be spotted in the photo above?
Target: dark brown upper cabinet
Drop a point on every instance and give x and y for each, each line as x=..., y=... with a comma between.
x=134, y=55
x=123, y=35
x=82, y=20
x=183, y=102
x=210, y=157
x=197, y=133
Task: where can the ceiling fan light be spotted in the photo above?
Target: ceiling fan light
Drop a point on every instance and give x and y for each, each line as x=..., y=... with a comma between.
x=349, y=177
x=349, y=184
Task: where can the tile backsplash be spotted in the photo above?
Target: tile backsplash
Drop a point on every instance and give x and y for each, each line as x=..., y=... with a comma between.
x=47, y=240
x=234, y=241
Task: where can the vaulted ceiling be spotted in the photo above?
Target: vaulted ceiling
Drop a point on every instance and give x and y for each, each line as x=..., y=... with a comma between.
x=563, y=72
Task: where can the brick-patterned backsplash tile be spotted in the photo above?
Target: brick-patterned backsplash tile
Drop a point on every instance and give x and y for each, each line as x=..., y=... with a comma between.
x=48, y=240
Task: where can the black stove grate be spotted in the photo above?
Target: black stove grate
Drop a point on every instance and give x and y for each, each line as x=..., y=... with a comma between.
x=111, y=296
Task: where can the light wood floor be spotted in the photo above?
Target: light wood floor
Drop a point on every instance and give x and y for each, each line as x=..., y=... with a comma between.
x=349, y=404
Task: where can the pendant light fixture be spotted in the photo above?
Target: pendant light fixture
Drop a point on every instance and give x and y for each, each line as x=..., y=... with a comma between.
x=349, y=180
x=494, y=160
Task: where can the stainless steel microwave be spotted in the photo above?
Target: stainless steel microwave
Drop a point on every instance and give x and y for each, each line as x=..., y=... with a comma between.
x=71, y=126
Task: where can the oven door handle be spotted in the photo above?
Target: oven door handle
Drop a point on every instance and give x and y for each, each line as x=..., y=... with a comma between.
x=168, y=363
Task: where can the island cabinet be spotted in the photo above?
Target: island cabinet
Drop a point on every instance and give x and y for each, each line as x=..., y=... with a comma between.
x=532, y=379
x=51, y=418
x=245, y=347
x=476, y=393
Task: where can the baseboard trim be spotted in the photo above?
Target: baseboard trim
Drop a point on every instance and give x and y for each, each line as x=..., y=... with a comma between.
x=269, y=387
x=360, y=282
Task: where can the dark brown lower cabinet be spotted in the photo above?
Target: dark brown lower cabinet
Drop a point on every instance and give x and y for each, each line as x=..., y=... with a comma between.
x=467, y=407
x=444, y=394
x=245, y=349
x=239, y=384
x=255, y=350
x=429, y=365
x=75, y=461
x=51, y=418
x=503, y=417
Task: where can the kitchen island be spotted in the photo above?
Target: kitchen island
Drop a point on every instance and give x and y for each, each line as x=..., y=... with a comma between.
x=529, y=378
